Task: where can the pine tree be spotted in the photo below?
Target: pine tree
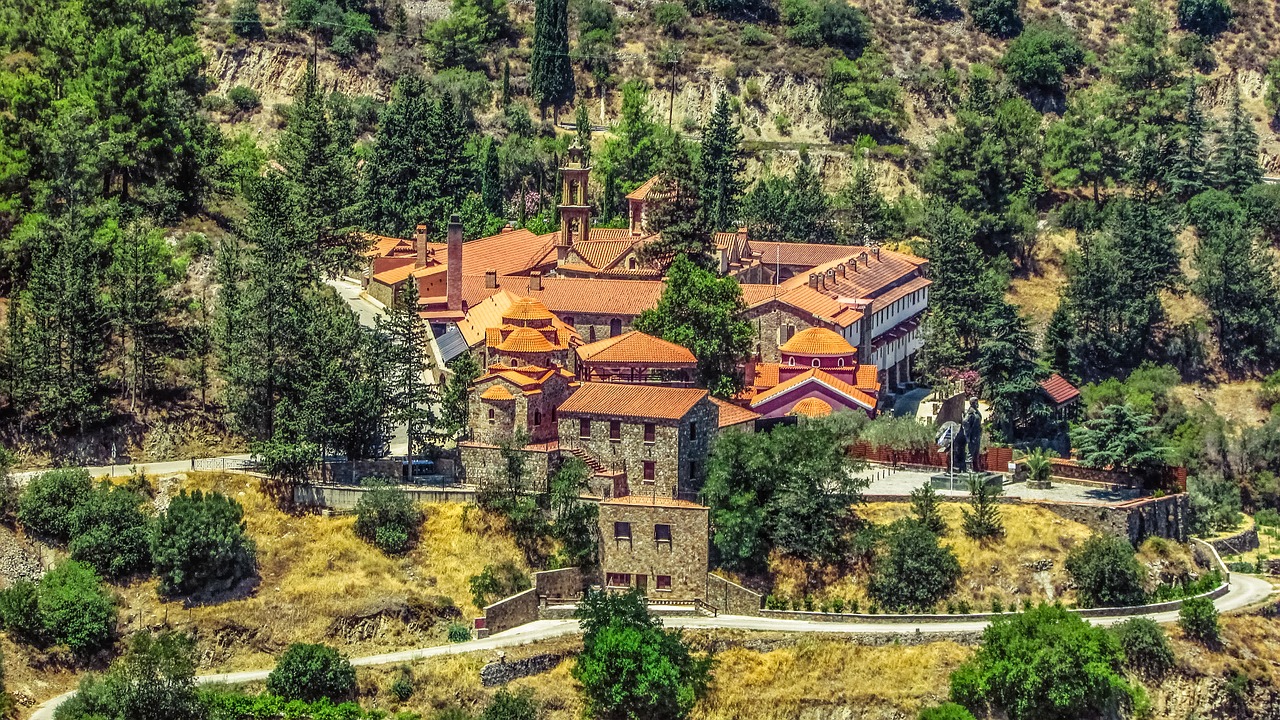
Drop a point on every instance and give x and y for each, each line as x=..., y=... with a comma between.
x=925, y=505
x=410, y=399
x=807, y=215
x=1235, y=157
x=982, y=520
x=866, y=219
x=1006, y=363
x=1146, y=70
x=582, y=125
x=1059, y=339
x=140, y=273
x=1189, y=173
x=720, y=168
x=490, y=178
x=1084, y=147
x=634, y=150
x=956, y=266
x=454, y=400
x=246, y=22
x=676, y=210
x=550, y=74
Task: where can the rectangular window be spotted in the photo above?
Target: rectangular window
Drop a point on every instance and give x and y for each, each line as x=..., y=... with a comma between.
x=788, y=332
x=618, y=580
x=649, y=431
x=693, y=469
x=615, y=430
x=663, y=582
x=584, y=429
x=662, y=533
x=693, y=431
x=622, y=531
x=649, y=466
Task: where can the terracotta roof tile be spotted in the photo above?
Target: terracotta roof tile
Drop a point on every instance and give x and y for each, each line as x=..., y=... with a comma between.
x=602, y=253
x=731, y=414
x=642, y=192
x=807, y=254
x=527, y=377
x=527, y=308
x=654, y=501
x=636, y=347
x=817, y=342
x=570, y=296
x=815, y=375
x=497, y=392
x=632, y=401
x=811, y=407
x=1059, y=389
x=523, y=339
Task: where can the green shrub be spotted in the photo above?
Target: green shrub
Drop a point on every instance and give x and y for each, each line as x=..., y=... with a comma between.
x=155, y=678
x=999, y=18
x=1215, y=503
x=246, y=21
x=844, y=26
x=1269, y=396
x=200, y=545
x=671, y=17
x=945, y=711
x=46, y=506
x=753, y=35
x=1206, y=18
x=925, y=506
x=782, y=122
x=1198, y=618
x=458, y=633
x=1106, y=572
x=1145, y=645
x=935, y=9
x=508, y=705
x=837, y=605
x=1186, y=589
x=75, y=610
x=244, y=97
x=402, y=687
x=1267, y=517
x=111, y=533
x=982, y=518
x=20, y=612
x=914, y=571
x=1045, y=664
x=496, y=582
x=311, y=672
x=387, y=517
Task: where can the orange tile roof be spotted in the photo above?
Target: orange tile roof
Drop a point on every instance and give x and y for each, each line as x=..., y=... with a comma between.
x=602, y=253
x=523, y=339
x=872, y=278
x=804, y=254
x=527, y=308
x=636, y=347
x=383, y=246
x=642, y=192
x=1059, y=389
x=570, y=296
x=654, y=501
x=527, y=377
x=817, y=342
x=821, y=376
x=811, y=407
x=496, y=392
x=731, y=414
x=892, y=295
x=645, y=402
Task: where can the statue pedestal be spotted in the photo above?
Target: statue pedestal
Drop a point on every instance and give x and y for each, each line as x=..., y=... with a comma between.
x=960, y=481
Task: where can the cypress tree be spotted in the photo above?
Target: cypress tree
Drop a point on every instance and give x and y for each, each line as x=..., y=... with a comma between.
x=957, y=268
x=505, y=98
x=409, y=399
x=807, y=216
x=1235, y=159
x=867, y=209
x=677, y=211
x=550, y=74
x=720, y=168
x=1059, y=337
x=582, y=125
x=1189, y=174
x=139, y=274
x=490, y=178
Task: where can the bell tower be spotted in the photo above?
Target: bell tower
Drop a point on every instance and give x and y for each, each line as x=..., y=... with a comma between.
x=575, y=211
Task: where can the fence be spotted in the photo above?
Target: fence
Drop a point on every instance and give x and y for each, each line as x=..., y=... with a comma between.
x=995, y=459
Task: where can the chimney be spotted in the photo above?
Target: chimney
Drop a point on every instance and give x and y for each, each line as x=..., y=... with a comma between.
x=863, y=257
x=535, y=281
x=453, y=276
x=813, y=281
x=840, y=270
x=491, y=279
x=831, y=277
x=507, y=228
x=420, y=244
x=853, y=264
x=876, y=251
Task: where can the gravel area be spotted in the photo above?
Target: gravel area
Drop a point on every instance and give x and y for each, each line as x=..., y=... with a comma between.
x=885, y=481
x=20, y=559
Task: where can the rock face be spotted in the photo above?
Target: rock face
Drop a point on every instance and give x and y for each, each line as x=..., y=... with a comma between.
x=21, y=559
x=274, y=70
x=501, y=673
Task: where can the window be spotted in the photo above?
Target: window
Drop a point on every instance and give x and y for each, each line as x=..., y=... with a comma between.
x=615, y=430
x=568, y=320
x=788, y=332
x=537, y=417
x=490, y=416
x=615, y=327
x=662, y=533
x=649, y=431
x=631, y=264
x=693, y=430
x=553, y=415
x=791, y=361
x=618, y=580
x=649, y=468
x=584, y=429
x=841, y=362
x=663, y=582
x=817, y=362
x=622, y=531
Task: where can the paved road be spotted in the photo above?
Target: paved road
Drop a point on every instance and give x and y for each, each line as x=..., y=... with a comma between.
x=1245, y=591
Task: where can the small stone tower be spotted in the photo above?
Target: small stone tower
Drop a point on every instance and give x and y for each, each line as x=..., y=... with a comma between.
x=575, y=211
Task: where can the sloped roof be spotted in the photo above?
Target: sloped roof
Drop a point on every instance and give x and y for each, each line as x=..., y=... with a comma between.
x=383, y=246
x=731, y=414
x=642, y=192
x=806, y=254
x=527, y=308
x=526, y=377
x=601, y=253
x=496, y=392
x=811, y=407
x=820, y=376
x=573, y=295
x=636, y=347
x=642, y=402
x=1059, y=389
x=523, y=339
x=817, y=342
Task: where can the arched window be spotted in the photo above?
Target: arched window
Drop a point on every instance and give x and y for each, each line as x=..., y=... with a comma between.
x=841, y=362
x=817, y=362
x=490, y=416
x=791, y=361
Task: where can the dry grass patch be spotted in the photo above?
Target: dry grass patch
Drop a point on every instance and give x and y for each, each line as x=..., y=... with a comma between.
x=320, y=583
x=1235, y=401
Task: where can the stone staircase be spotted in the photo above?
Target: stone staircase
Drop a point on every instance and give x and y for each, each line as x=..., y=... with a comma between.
x=589, y=460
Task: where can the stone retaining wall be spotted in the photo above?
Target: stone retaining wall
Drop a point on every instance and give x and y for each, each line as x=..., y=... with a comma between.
x=343, y=498
x=1241, y=542
x=502, y=672
x=731, y=598
x=509, y=612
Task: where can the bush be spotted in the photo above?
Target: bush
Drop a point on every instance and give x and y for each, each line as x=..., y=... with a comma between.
x=311, y=672
x=1198, y=618
x=386, y=517
x=935, y=9
x=1206, y=18
x=844, y=26
x=200, y=545
x=402, y=687
x=1215, y=503
x=1044, y=664
x=496, y=582
x=915, y=571
x=982, y=519
x=1266, y=517
x=996, y=17
x=111, y=533
x=671, y=17
x=1041, y=57
x=946, y=711
x=20, y=613
x=246, y=21
x=753, y=35
x=1106, y=572
x=245, y=98
x=508, y=705
x=1145, y=645
x=47, y=504
x=925, y=504
x=74, y=608
x=155, y=678
x=458, y=633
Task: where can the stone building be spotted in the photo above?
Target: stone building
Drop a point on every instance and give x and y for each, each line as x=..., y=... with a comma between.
x=649, y=439
x=530, y=334
x=657, y=544
x=508, y=400
x=819, y=373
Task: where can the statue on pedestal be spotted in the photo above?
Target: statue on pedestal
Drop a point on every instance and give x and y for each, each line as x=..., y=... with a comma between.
x=972, y=427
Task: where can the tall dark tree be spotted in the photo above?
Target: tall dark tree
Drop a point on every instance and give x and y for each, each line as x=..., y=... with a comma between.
x=676, y=210
x=1189, y=174
x=1084, y=148
x=140, y=273
x=550, y=73
x=961, y=289
x=490, y=178
x=1147, y=72
x=411, y=400
x=1235, y=156
x=720, y=168
x=1010, y=375
x=867, y=214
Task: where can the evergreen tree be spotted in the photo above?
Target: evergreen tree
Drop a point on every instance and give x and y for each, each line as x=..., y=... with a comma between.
x=1006, y=363
x=720, y=168
x=505, y=97
x=961, y=289
x=861, y=96
x=582, y=127
x=1189, y=174
x=1059, y=339
x=1206, y=18
x=867, y=213
x=455, y=398
x=1235, y=157
x=996, y=17
x=1084, y=148
x=632, y=153
x=926, y=507
x=246, y=22
x=1147, y=72
x=410, y=400
x=140, y=273
x=676, y=210
x=550, y=73
x=806, y=217
x=490, y=178
x=982, y=519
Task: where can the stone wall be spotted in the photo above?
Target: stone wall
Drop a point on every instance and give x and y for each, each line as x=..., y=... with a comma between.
x=1174, y=478
x=343, y=498
x=351, y=473
x=1240, y=542
x=494, y=421
x=730, y=598
x=562, y=583
x=770, y=320
x=594, y=327
x=503, y=672
x=510, y=612
x=683, y=559
x=995, y=459
x=484, y=464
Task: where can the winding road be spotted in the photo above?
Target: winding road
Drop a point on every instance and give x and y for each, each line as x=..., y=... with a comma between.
x=1246, y=591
